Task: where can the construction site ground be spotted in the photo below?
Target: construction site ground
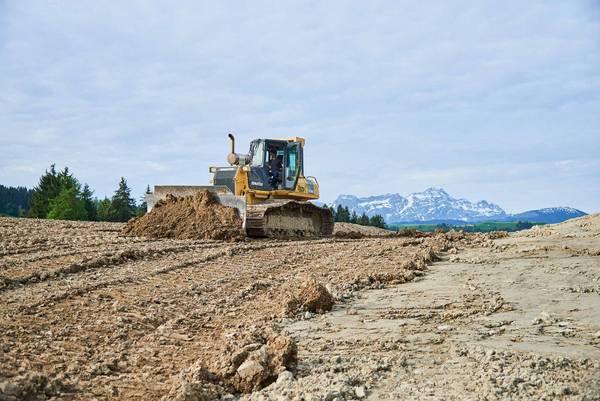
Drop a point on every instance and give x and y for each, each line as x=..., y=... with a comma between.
x=87, y=313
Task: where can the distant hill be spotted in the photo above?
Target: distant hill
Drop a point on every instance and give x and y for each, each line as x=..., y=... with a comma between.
x=435, y=206
x=548, y=215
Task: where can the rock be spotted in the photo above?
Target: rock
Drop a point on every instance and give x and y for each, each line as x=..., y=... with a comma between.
x=312, y=297
x=285, y=376
x=332, y=395
x=545, y=318
x=360, y=392
x=445, y=327
x=251, y=371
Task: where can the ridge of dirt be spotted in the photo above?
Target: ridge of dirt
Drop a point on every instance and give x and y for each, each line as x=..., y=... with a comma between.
x=580, y=227
x=350, y=230
x=199, y=216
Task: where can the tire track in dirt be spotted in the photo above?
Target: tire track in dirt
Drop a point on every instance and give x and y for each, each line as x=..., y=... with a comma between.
x=106, y=259
x=53, y=258
x=129, y=266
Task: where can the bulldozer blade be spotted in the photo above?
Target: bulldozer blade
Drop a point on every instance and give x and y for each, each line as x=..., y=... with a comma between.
x=221, y=192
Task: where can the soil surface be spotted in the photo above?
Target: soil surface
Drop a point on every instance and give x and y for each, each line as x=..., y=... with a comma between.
x=87, y=313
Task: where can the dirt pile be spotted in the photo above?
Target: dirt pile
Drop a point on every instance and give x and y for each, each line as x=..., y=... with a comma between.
x=581, y=227
x=199, y=216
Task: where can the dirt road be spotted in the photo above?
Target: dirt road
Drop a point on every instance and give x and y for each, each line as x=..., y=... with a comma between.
x=86, y=313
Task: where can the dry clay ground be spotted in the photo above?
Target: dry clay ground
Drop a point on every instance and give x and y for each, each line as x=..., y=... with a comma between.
x=86, y=313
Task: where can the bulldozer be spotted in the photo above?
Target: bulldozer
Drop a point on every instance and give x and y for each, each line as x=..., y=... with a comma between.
x=268, y=188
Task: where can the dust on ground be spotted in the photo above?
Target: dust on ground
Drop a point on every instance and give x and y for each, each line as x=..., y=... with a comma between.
x=199, y=216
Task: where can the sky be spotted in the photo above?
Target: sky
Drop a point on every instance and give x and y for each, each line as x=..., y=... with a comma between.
x=495, y=101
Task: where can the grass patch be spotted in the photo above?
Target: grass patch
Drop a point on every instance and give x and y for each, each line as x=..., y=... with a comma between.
x=481, y=227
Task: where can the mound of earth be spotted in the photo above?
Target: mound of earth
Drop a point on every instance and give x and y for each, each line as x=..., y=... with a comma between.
x=580, y=227
x=199, y=216
x=349, y=230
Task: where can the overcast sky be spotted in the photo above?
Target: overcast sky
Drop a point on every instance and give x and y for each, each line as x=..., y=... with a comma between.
x=489, y=100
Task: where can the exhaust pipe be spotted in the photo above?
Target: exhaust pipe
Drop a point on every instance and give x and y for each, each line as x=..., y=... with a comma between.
x=233, y=158
x=232, y=143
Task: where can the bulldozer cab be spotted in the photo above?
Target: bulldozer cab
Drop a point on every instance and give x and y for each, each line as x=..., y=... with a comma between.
x=275, y=164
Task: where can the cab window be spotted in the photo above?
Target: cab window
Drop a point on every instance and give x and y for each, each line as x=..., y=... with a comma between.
x=292, y=164
x=258, y=153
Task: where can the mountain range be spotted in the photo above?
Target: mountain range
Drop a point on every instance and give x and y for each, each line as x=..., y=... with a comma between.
x=436, y=205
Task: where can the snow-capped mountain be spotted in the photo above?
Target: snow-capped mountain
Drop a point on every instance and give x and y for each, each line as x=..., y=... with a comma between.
x=435, y=205
x=431, y=204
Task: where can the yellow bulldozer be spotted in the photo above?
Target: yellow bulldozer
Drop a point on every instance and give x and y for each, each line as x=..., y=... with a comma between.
x=268, y=188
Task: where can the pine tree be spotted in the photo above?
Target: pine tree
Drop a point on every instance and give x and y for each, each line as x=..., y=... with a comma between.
x=354, y=218
x=363, y=220
x=105, y=210
x=377, y=221
x=338, y=213
x=88, y=202
x=48, y=188
x=67, y=206
x=346, y=214
x=332, y=212
x=66, y=180
x=342, y=214
x=123, y=204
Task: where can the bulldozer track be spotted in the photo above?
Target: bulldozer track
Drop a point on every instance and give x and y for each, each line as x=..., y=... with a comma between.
x=288, y=219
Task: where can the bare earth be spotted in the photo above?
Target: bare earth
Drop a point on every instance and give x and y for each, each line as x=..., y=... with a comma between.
x=86, y=313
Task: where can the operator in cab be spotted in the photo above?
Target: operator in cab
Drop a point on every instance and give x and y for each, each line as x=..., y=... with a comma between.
x=274, y=168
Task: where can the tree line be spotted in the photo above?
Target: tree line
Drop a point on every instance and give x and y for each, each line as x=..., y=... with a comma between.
x=14, y=201
x=343, y=215
x=59, y=195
